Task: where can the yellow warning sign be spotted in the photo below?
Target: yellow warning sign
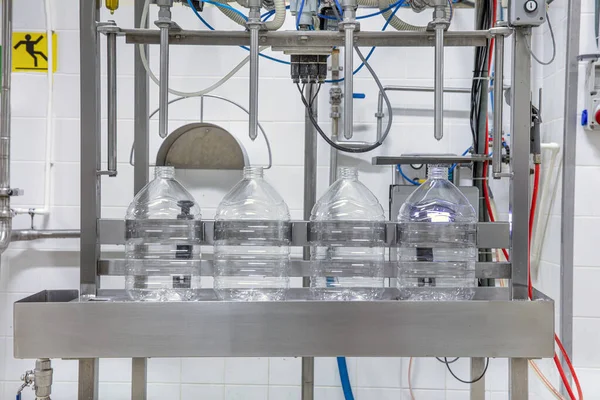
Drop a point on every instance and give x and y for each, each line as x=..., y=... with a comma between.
x=30, y=52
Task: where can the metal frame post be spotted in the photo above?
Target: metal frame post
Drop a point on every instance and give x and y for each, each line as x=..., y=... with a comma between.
x=142, y=149
x=88, y=378
x=310, y=198
x=568, y=181
x=89, y=13
x=139, y=377
x=519, y=188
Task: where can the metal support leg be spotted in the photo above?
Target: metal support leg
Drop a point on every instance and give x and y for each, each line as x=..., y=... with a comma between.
x=568, y=179
x=142, y=149
x=519, y=188
x=310, y=198
x=477, y=388
x=518, y=382
x=139, y=371
x=88, y=379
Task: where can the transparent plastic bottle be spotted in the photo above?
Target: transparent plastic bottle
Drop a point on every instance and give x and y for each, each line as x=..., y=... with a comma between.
x=163, y=231
x=252, y=242
x=437, y=235
x=347, y=231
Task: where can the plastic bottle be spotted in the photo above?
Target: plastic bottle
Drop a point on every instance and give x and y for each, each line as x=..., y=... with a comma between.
x=347, y=231
x=163, y=230
x=437, y=242
x=252, y=242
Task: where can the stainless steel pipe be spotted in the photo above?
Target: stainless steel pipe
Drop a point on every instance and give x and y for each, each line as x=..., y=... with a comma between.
x=34, y=234
x=439, y=82
x=163, y=115
x=111, y=79
x=348, y=80
x=5, y=125
x=254, y=58
x=498, y=105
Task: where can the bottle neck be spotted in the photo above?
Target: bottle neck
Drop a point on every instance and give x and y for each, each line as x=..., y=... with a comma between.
x=253, y=172
x=164, y=172
x=348, y=173
x=438, y=172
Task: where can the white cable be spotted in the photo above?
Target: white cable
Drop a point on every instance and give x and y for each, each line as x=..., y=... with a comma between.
x=553, y=45
x=49, y=120
x=177, y=92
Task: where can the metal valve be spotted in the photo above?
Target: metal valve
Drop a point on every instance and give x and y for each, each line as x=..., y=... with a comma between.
x=40, y=379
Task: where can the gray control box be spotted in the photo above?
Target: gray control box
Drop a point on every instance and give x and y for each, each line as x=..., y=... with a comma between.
x=526, y=12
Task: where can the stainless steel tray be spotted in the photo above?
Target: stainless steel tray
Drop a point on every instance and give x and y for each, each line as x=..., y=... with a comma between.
x=58, y=324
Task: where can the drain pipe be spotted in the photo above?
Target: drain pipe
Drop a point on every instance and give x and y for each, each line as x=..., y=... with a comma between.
x=5, y=190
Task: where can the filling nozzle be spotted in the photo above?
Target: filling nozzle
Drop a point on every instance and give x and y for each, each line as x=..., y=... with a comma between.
x=349, y=25
x=254, y=25
x=164, y=22
x=439, y=24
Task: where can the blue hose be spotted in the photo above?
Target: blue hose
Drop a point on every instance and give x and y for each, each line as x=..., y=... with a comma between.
x=344, y=378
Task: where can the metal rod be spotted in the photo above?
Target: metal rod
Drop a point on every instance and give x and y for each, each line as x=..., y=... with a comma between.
x=5, y=125
x=520, y=140
x=163, y=114
x=439, y=82
x=519, y=188
x=568, y=181
x=310, y=198
x=111, y=79
x=302, y=39
x=33, y=234
x=139, y=378
x=254, y=59
x=141, y=96
x=498, y=105
x=90, y=144
x=348, y=81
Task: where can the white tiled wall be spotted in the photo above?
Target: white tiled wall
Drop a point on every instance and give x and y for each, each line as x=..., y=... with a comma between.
x=53, y=264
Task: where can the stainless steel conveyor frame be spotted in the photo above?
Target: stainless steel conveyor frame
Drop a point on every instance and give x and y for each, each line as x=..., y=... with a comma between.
x=93, y=323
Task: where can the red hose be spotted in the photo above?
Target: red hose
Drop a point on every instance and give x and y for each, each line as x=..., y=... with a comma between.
x=536, y=184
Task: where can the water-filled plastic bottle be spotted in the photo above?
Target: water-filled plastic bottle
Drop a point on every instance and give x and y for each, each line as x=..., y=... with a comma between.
x=347, y=232
x=252, y=241
x=437, y=242
x=163, y=231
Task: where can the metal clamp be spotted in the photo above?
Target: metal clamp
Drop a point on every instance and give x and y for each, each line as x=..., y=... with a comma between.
x=10, y=192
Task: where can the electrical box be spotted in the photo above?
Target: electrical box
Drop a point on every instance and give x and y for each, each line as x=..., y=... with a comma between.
x=526, y=12
x=590, y=116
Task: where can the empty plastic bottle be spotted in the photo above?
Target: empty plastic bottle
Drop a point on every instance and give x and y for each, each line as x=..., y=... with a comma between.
x=347, y=232
x=163, y=230
x=252, y=241
x=437, y=242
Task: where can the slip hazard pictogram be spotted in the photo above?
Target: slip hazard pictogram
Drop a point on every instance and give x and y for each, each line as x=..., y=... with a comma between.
x=30, y=52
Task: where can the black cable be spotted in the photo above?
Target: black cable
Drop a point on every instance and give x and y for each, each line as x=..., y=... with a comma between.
x=446, y=361
x=309, y=108
x=480, y=377
x=323, y=134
